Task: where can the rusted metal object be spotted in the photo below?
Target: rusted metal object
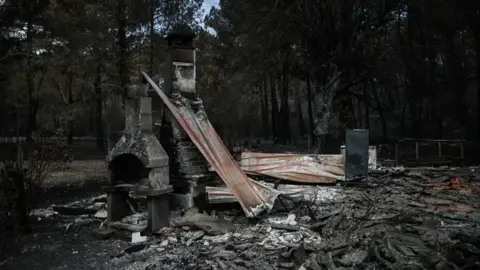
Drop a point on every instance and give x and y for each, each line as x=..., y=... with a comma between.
x=314, y=169
x=253, y=197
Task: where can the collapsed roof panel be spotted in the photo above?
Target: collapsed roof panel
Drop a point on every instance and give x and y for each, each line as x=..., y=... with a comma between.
x=311, y=169
x=253, y=197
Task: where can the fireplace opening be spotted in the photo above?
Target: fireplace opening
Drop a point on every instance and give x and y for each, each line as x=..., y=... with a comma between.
x=127, y=169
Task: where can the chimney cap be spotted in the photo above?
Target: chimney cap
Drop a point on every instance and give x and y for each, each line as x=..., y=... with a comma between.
x=181, y=36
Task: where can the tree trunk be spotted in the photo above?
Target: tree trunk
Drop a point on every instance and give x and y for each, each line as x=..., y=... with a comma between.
x=264, y=107
x=121, y=16
x=351, y=105
x=152, y=34
x=3, y=107
x=477, y=51
x=285, y=135
x=383, y=120
x=22, y=224
x=311, y=127
x=30, y=87
x=274, y=112
x=301, y=121
x=403, y=120
x=416, y=111
x=70, y=108
x=367, y=107
x=456, y=78
x=99, y=109
x=382, y=114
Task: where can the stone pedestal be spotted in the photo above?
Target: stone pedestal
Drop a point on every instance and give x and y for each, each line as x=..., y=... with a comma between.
x=158, y=207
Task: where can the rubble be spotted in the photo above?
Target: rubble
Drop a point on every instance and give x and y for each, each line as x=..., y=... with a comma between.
x=43, y=213
x=101, y=213
x=138, y=238
x=253, y=197
x=209, y=224
x=405, y=218
x=104, y=234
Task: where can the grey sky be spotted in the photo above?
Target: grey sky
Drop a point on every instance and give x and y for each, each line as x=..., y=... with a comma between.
x=208, y=4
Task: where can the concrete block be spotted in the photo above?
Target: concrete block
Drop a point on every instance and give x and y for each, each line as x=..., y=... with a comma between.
x=181, y=201
x=117, y=207
x=159, y=177
x=158, y=212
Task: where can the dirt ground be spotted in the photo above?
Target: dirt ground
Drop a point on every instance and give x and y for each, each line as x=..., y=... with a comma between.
x=50, y=245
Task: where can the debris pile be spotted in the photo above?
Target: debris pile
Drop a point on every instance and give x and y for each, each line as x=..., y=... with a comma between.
x=396, y=219
x=90, y=207
x=401, y=221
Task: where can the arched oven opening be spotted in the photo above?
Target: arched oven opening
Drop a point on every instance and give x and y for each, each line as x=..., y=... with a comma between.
x=127, y=169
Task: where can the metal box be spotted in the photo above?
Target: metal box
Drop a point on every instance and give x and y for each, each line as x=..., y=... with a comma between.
x=356, y=153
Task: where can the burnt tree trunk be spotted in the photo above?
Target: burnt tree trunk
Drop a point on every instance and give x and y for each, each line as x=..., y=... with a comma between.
x=99, y=109
x=3, y=108
x=403, y=120
x=20, y=211
x=122, y=53
x=285, y=135
x=383, y=118
x=351, y=106
x=274, y=111
x=70, y=108
x=301, y=121
x=264, y=107
x=31, y=124
x=311, y=127
x=456, y=78
x=152, y=34
x=477, y=51
x=367, y=107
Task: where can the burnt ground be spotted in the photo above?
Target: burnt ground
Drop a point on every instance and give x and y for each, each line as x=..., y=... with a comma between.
x=398, y=219
x=50, y=245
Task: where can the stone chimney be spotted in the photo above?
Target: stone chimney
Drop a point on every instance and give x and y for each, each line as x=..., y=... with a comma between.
x=180, y=62
x=189, y=169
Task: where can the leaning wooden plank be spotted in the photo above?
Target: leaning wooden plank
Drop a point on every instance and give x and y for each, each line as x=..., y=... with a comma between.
x=253, y=198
